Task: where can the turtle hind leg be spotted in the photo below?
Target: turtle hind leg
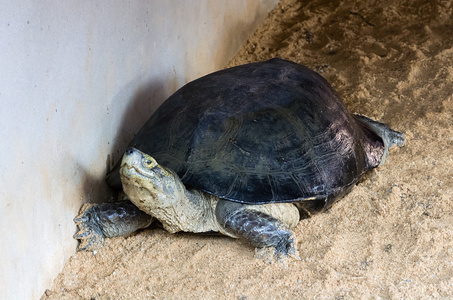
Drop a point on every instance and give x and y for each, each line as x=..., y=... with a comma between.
x=260, y=229
x=388, y=135
x=99, y=221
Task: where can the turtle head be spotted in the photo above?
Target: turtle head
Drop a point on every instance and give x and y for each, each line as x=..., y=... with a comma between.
x=149, y=185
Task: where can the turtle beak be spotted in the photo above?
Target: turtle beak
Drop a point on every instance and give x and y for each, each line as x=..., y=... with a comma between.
x=131, y=157
x=130, y=151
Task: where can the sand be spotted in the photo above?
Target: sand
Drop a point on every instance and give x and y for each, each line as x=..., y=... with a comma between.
x=390, y=238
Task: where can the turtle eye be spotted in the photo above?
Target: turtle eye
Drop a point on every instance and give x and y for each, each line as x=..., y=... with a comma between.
x=148, y=162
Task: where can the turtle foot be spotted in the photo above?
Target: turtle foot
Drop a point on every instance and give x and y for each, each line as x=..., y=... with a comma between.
x=282, y=252
x=89, y=234
x=268, y=234
x=99, y=221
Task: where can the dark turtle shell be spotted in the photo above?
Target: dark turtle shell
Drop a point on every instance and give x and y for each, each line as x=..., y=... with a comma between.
x=265, y=132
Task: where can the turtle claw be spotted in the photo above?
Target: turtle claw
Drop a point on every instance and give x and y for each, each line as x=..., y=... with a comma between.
x=78, y=220
x=285, y=249
x=279, y=254
x=89, y=234
x=81, y=234
x=89, y=241
x=97, y=222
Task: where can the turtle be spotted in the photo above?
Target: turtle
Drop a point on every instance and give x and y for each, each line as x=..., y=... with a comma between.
x=246, y=152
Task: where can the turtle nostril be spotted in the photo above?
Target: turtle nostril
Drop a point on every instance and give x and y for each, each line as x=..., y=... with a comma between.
x=129, y=151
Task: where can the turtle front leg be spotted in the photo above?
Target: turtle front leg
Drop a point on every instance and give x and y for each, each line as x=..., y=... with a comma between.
x=260, y=229
x=99, y=221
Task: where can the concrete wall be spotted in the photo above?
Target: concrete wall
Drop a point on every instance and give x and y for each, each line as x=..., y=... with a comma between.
x=77, y=79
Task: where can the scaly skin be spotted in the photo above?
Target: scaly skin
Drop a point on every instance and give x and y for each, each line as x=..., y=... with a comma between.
x=99, y=221
x=260, y=229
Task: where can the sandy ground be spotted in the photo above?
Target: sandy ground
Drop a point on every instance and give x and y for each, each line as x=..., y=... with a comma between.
x=390, y=238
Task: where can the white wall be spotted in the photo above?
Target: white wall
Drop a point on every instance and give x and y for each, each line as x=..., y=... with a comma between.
x=77, y=79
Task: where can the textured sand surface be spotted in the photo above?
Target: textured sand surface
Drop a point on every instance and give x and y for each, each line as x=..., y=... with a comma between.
x=390, y=238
